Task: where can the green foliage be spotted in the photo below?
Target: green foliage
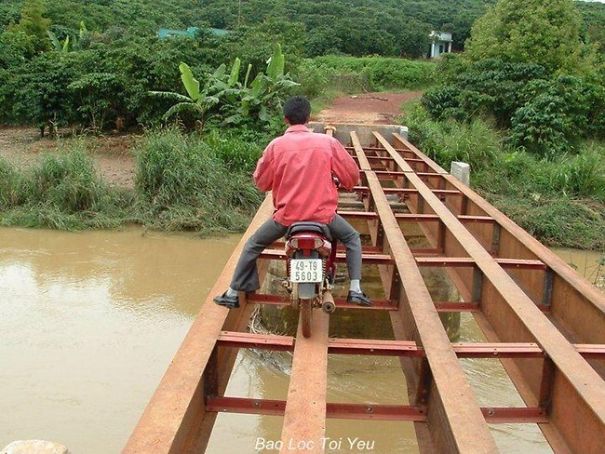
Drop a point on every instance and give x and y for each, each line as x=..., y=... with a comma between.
x=67, y=182
x=561, y=200
x=61, y=192
x=256, y=105
x=546, y=114
x=353, y=75
x=96, y=96
x=184, y=184
x=492, y=87
x=34, y=24
x=530, y=31
x=11, y=186
x=475, y=143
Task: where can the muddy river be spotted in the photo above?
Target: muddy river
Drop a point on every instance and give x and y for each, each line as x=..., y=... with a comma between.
x=90, y=321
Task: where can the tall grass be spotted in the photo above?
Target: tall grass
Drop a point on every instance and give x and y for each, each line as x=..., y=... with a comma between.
x=11, y=186
x=476, y=143
x=182, y=184
x=561, y=201
x=61, y=191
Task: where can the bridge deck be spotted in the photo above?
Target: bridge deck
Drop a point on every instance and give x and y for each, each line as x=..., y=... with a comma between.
x=543, y=322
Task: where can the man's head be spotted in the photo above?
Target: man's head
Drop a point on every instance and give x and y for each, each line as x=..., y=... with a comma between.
x=297, y=110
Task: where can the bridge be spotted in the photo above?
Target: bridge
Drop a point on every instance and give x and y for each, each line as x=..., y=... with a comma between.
x=543, y=322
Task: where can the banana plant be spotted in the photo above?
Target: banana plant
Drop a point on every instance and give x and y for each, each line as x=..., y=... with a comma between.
x=59, y=46
x=197, y=101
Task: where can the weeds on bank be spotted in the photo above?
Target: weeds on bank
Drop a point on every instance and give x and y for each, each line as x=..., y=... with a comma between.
x=182, y=183
x=560, y=201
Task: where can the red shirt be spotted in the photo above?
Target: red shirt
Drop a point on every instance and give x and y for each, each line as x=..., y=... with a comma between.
x=298, y=167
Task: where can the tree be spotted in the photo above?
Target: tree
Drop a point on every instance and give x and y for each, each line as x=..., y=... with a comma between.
x=530, y=31
x=34, y=24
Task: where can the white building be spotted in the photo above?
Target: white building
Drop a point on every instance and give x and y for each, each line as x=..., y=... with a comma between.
x=441, y=43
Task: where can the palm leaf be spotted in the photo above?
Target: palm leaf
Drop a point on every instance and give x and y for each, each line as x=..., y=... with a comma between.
x=191, y=84
x=247, y=75
x=276, y=63
x=233, y=78
x=171, y=95
x=66, y=44
x=183, y=107
x=54, y=40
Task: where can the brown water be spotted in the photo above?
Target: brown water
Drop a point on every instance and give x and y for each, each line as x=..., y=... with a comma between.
x=90, y=321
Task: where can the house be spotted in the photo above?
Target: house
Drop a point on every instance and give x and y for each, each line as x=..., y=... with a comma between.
x=190, y=32
x=441, y=43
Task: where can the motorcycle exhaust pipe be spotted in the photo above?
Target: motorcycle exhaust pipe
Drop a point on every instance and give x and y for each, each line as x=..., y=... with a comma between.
x=328, y=305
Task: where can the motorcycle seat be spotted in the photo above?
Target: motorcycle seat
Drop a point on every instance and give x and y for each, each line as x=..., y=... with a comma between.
x=309, y=227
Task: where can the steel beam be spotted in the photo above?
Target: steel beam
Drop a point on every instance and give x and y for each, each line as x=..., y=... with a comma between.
x=575, y=382
x=175, y=420
x=493, y=415
x=454, y=418
x=305, y=411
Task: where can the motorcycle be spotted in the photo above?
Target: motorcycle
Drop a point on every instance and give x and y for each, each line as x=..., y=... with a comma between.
x=311, y=268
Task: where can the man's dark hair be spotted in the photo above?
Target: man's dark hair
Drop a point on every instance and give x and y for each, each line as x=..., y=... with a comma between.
x=297, y=110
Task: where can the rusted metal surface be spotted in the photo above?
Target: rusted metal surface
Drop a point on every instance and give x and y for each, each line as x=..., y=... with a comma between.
x=545, y=324
x=175, y=421
x=454, y=418
x=305, y=412
x=492, y=415
x=515, y=317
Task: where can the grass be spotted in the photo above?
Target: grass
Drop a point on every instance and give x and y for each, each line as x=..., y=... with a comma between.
x=182, y=183
x=560, y=201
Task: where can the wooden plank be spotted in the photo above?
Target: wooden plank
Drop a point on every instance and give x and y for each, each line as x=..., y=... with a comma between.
x=305, y=412
x=456, y=422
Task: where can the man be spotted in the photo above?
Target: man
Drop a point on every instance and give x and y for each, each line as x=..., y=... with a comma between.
x=299, y=168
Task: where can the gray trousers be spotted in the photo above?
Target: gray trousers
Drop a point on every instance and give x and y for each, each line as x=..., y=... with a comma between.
x=245, y=278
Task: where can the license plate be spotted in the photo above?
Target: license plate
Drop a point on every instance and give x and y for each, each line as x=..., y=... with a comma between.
x=306, y=270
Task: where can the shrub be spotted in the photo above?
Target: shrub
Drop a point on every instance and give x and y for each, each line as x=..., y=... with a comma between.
x=475, y=143
x=379, y=72
x=183, y=184
x=238, y=150
x=554, y=117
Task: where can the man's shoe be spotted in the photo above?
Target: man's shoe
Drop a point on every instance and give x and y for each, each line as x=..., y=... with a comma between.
x=230, y=302
x=358, y=298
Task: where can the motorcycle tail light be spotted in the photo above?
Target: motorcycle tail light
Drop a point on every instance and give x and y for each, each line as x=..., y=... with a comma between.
x=325, y=249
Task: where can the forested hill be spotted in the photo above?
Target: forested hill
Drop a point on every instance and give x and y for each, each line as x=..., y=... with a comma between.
x=354, y=27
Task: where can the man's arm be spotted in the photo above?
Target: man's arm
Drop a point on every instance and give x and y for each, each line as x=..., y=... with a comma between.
x=263, y=175
x=344, y=166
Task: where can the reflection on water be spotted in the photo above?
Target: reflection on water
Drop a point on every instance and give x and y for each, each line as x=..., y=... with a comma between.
x=90, y=321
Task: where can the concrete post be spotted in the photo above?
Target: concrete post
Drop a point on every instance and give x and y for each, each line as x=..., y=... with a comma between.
x=462, y=171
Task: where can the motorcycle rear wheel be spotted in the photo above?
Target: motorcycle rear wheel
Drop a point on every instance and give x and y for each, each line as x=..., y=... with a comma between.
x=306, y=313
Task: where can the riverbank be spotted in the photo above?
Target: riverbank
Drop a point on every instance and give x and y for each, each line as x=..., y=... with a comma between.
x=558, y=202
x=167, y=180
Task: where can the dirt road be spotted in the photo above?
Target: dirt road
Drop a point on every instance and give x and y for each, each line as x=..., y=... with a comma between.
x=368, y=108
